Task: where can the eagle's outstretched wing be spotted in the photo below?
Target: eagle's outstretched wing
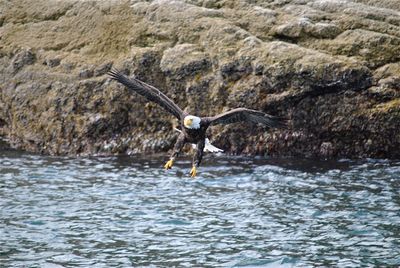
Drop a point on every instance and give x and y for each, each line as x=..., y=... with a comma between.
x=246, y=115
x=149, y=92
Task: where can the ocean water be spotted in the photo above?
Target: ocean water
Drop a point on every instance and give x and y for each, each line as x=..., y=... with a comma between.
x=239, y=212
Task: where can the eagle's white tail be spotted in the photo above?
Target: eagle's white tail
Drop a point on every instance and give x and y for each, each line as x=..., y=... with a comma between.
x=211, y=148
x=208, y=146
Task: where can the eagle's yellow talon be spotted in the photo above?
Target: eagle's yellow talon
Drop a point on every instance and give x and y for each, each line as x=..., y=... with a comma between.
x=169, y=164
x=193, y=172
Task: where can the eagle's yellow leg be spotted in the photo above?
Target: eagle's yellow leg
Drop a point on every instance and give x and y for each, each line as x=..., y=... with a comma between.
x=193, y=172
x=169, y=164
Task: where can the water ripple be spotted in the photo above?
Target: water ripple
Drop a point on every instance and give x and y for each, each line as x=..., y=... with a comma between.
x=240, y=212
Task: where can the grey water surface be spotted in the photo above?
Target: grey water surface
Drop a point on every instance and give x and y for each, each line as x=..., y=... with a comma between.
x=239, y=212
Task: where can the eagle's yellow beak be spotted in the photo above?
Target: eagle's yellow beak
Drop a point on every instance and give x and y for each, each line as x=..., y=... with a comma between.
x=188, y=122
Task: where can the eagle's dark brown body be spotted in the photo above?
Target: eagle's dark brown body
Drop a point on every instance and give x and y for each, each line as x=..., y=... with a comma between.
x=195, y=134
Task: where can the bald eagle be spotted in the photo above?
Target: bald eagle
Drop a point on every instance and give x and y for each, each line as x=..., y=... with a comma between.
x=193, y=128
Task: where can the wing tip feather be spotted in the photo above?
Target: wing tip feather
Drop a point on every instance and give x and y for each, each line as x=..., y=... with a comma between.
x=279, y=122
x=114, y=73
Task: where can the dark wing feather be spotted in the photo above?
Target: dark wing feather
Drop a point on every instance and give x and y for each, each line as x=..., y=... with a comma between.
x=246, y=115
x=149, y=92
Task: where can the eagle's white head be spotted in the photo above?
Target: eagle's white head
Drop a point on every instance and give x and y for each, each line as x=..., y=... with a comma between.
x=192, y=122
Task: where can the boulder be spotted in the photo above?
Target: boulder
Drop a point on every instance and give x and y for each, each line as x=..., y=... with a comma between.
x=330, y=67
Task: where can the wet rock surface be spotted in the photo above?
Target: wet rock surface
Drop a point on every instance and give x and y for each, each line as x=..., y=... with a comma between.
x=331, y=67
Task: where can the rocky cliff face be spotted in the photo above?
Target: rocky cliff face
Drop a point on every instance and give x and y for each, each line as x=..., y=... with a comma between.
x=331, y=67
